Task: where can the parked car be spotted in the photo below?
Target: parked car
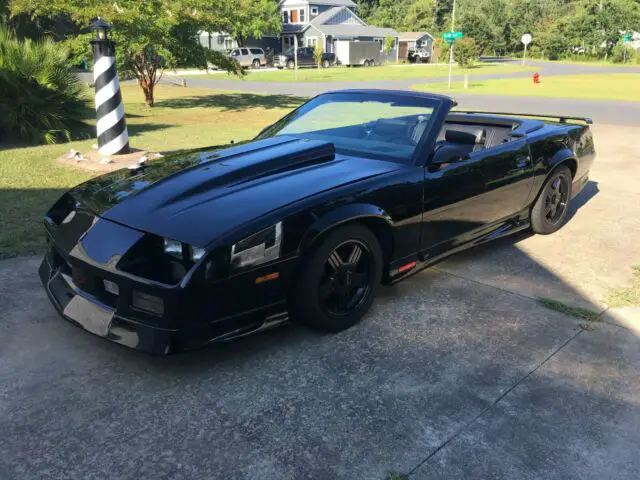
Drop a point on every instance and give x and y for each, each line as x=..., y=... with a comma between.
x=419, y=55
x=305, y=58
x=249, y=57
x=353, y=189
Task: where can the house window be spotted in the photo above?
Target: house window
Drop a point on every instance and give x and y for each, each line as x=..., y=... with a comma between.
x=314, y=11
x=301, y=15
x=285, y=16
x=312, y=42
x=287, y=43
x=228, y=43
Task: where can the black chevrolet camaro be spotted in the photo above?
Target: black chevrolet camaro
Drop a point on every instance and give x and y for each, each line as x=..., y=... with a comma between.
x=351, y=190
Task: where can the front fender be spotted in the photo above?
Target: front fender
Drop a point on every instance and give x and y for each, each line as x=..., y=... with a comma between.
x=340, y=215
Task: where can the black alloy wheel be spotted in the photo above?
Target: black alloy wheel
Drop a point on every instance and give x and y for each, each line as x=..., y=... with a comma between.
x=338, y=279
x=556, y=200
x=551, y=208
x=345, y=282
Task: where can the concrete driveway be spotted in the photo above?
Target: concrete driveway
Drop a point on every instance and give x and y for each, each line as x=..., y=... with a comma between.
x=457, y=373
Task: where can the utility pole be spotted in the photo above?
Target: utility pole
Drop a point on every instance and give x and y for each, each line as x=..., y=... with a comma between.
x=453, y=21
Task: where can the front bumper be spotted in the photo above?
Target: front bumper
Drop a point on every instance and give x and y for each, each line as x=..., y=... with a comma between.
x=116, y=321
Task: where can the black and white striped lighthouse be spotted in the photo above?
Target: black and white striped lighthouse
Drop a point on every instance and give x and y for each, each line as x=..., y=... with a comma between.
x=113, y=138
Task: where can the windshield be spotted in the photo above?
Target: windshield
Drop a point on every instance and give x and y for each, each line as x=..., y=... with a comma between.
x=378, y=125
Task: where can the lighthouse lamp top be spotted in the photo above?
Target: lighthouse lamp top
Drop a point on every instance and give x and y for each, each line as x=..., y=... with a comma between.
x=101, y=28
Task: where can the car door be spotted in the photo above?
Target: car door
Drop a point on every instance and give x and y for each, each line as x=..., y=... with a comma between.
x=471, y=196
x=305, y=56
x=245, y=58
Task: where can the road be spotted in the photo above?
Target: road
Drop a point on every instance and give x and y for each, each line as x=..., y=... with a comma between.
x=607, y=112
x=458, y=372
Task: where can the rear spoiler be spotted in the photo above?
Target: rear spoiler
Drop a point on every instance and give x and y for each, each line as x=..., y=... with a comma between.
x=561, y=119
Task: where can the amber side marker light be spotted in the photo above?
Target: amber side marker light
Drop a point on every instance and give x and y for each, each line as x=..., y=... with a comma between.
x=267, y=278
x=406, y=267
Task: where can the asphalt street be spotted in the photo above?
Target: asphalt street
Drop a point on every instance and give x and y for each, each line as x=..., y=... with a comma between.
x=607, y=112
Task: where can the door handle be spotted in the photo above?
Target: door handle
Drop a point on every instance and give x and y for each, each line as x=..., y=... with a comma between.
x=522, y=162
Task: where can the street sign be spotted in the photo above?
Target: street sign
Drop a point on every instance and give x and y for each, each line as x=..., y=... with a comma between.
x=526, y=39
x=451, y=36
x=627, y=38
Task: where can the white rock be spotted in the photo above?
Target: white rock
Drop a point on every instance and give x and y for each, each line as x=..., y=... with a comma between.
x=143, y=159
x=94, y=146
x=105, y=161
x=72, y=153
x=78, y=157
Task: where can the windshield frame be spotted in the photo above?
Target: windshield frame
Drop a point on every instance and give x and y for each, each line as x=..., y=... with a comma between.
x=439, y=103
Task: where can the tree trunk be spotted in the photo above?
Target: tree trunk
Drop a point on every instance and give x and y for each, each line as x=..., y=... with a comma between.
x=147, y=88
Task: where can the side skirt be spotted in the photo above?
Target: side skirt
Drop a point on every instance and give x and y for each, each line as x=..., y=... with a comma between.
x=422, y=260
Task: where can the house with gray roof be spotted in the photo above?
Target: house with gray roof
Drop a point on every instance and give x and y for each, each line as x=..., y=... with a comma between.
x=327, y=21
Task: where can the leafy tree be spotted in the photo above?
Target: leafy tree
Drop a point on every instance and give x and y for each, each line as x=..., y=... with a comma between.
x=421, y=16
x=318, y=51
x=389, y=43
x=156, y=34
x=465, y=52
x=41, y=99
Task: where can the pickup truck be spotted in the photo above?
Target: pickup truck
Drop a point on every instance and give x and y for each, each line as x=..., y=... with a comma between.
x=305, y=59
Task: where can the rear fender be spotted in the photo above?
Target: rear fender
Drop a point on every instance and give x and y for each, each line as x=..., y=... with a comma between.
x=565, y=156
x=344, y=214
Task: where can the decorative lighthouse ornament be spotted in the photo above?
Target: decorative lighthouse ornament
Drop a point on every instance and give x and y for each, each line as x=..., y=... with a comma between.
x=113, y=138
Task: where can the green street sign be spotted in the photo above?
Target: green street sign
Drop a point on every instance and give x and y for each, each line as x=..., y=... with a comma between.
x=452, y=36
x=627, y=38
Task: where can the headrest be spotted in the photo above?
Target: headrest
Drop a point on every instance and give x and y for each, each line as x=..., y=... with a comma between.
x=470, y=137
x=390, y=127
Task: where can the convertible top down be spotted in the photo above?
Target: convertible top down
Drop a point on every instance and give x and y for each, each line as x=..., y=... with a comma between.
x=352, y=189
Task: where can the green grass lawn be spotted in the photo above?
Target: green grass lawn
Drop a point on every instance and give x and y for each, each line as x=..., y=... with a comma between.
x=618, y=86
x=351, y=74
x=31, y=180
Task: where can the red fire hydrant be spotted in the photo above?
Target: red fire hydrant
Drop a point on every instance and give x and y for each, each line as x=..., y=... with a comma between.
x=536, y=77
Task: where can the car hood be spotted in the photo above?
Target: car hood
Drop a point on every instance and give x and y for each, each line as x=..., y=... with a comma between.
x=198, y=196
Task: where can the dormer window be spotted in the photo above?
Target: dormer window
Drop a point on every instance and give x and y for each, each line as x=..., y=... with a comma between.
x=302, y=15
x=314, y=11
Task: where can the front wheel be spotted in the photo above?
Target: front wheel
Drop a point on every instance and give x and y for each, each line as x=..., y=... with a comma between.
x=326, y=64
x=256, y=64
x=338, y=280
x=550, y=210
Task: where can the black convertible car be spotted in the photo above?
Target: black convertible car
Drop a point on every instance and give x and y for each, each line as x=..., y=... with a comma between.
x=351, y=190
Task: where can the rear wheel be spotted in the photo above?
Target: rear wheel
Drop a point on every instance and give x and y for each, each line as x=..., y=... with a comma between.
x=291, y=64
x=338, y=280
x=550, y=210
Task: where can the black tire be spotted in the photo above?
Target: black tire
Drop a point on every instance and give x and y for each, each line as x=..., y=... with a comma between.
x=322, y=288
x=256, y=64
x=326, y=63
x=291, y=64
x=549, y=212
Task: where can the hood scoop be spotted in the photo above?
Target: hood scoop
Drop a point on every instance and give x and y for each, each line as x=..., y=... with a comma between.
x=233, y=170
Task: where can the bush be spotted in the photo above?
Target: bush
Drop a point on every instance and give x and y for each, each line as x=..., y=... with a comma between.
x=618, y=55
x=41, y=99
x=465, y=52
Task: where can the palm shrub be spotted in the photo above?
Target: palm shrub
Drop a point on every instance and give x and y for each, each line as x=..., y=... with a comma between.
x=41, y=99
